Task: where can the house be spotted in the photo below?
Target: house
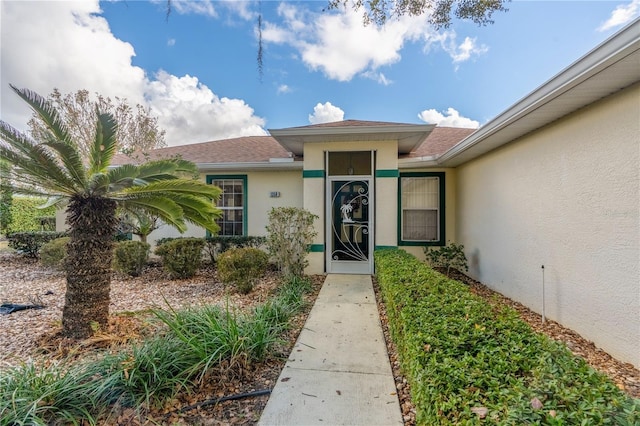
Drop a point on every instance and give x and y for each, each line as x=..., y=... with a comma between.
x=544, y=197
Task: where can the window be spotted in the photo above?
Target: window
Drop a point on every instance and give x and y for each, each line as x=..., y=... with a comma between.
x=421, y=208
x=232, y=202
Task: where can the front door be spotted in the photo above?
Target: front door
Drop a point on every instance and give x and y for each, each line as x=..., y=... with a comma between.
x=350, y=228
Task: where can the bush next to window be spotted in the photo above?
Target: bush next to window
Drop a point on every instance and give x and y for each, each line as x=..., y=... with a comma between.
x=467, y=360
x=181, y=257
x=54, y=252
x=447, y=257
x=242, y=267
x=130, y=257
x=290, y=232
x=218, y=244
x=29, y=243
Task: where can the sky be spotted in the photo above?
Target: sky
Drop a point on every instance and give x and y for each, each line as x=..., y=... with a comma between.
x=196, y=68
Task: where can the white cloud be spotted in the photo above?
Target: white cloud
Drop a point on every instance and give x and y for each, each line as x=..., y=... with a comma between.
x=200, y=7
x=378, y=76
x=69, y=46
x=451, y=118
x=466, y=49
x=171, y=42
x=621, y=15
x=283, y=88
x=339, y=45
x=191, y=112
x=326, y=113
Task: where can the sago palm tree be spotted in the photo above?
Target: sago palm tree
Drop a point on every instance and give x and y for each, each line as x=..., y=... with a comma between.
x=52, y=167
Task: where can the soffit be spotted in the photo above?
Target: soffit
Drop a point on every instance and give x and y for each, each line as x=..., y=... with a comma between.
x=610, y=67
x=408, y=136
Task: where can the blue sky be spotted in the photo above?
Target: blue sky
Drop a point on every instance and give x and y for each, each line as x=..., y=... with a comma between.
x=197, y=70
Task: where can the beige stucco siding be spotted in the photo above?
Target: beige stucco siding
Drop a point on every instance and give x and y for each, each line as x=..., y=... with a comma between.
x=566, y=197
x=260, y=184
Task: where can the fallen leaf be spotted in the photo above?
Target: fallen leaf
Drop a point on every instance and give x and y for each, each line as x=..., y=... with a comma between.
x=285, y=379
x=338, y=392
x=536, y=404
x=480, y=411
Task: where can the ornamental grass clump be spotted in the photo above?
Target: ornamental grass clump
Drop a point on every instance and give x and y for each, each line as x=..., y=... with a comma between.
x=189, y=344
x=470, y=362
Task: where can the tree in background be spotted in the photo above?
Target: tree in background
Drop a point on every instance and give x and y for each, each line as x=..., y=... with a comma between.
x=6, y=198
x=137, y=130
x=439, y=13
x=54, y=166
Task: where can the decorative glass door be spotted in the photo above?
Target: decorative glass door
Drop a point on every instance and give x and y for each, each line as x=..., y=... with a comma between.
x=350, y=227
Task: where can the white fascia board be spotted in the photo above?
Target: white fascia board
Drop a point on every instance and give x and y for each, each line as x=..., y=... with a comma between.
x=612, y=50
x=411, y=163
x=287, y=165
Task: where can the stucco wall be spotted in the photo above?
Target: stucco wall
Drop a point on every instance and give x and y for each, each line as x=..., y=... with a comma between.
x=259, y=186
x=566, y=197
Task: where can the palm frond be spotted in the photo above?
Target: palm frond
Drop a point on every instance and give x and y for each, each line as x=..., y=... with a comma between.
x=165, y=208
x=70, y=157
x=104, y=145
x=17, y=140
x=177, y=186
x=53, y=201
x=38, y=167
x=46, y=112
x=99, y=184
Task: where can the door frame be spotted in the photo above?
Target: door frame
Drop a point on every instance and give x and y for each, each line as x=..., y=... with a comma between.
x=349, y=266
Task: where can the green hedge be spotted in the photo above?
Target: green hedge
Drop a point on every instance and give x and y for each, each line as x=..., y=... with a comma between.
x=461, y=356
x=26, y=216
x=29, y=243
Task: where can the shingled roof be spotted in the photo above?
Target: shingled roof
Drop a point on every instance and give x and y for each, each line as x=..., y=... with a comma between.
x=246, y=149
x=266, y=149
x=439, y=141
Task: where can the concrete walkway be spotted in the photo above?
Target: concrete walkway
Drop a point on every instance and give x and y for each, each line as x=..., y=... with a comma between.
x=338, y=372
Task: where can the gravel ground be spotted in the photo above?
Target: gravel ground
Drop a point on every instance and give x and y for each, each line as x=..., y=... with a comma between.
x=26, y=282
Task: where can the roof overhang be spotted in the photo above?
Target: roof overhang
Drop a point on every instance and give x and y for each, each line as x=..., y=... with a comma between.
x=277, y=165
x=608, y=68
x=409, y=136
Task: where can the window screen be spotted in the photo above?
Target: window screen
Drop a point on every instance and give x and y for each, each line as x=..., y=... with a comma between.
x=420, y=208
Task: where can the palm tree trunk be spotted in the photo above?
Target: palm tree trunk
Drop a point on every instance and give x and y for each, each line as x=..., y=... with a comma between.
x=92, y=223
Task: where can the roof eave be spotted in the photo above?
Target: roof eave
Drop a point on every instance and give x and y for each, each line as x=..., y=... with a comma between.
x=409, y=136
x=533, y=111
x=251, y=166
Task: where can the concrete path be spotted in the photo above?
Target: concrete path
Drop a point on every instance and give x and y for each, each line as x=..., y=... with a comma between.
x=338, y=372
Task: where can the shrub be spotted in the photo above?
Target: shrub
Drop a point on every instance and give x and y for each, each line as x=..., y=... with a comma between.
x=130, y=257
x=242, y=266
x=459, y=353
x=218, y=244
x=54, y=252
x=447, y=257
x=181, y=257
x=290, y=233
x=29, y=243
x=26, y=214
